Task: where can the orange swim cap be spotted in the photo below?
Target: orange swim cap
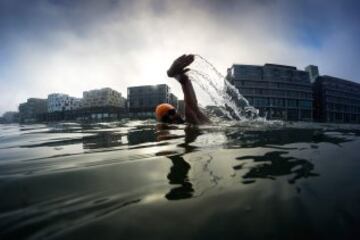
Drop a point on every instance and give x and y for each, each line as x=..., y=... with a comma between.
x=162, y=109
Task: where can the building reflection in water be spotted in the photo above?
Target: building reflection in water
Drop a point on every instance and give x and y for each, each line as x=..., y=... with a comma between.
x=275, y=165
x=280, y=137
x=139, y=136
x=271, y=165
x=114, y=139
x=102, y=140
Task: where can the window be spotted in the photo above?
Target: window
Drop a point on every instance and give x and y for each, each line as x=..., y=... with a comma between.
x=261, y=102
x=276, y=102
x=292, y=115
x=292, y=94
x=251, y=100
x=305, y=114
x=305, y=104
x=291, y=103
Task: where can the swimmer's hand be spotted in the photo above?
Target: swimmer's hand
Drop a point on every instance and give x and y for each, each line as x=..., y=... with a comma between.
x=178, y=67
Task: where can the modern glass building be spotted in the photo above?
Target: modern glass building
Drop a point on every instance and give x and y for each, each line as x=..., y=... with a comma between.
x=144, y=99
x=278, y=91
x=313, y=72
x=336, y=100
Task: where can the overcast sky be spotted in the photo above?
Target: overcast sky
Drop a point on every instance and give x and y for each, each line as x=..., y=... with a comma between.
x=69, y=46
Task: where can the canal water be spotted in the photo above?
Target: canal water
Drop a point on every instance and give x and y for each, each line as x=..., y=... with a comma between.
x=142, y=180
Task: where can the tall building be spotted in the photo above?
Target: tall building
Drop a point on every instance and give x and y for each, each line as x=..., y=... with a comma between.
x=105, y=97
x=313, y=72
x=278, y=91
x=57, y=102
x=144, y=99
x=336, y=100
x=173, y=100
x=31, y=110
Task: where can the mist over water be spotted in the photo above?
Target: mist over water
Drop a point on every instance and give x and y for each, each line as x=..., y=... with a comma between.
x=223, y=94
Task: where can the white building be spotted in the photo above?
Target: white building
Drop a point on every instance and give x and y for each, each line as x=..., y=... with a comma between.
x=105, y=97
x=58, y=102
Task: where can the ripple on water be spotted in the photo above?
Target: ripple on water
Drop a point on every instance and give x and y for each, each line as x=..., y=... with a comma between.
x=70, y=179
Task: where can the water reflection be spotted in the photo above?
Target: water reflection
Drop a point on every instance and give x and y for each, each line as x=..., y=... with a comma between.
x=270, y=165
x=72, y=193
x=178, y=174
x=251, y=138
x=45, y=220
x=274, y=164
x=102, y=140
x=139, y=135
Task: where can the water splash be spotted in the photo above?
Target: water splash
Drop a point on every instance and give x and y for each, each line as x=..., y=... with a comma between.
x=224, y=95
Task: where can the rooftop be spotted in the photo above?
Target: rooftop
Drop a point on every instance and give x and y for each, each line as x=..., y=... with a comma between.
x=267, y=65
x=327, y=77
x=279, y=66
x=148, y=86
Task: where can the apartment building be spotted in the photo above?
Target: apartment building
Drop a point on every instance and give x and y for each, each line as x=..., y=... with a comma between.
x=144, y=99
x=336, y=100
x=31, y=110
x=278, y=91
x=105, y=97
x=58, y=102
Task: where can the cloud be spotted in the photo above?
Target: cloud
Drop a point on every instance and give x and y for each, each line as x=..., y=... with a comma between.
x=72, y=47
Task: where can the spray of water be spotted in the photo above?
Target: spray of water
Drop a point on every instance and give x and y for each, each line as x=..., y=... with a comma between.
x=224, y=95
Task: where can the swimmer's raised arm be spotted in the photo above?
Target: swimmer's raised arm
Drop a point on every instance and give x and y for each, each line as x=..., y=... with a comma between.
x=178, y=71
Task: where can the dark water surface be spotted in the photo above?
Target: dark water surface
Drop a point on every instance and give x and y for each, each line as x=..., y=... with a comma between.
x=139, y=180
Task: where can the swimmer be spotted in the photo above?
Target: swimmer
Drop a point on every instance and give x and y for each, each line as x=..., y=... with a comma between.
x=167, y=113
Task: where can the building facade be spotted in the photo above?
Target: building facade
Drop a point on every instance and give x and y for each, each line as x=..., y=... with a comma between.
x=58, y=102
x=278, y=91
x=144, y=99
x=10, y=117
x=31, y=110
x=336, y=100
x=313, y=72
x=173, y=100
x=105, y=97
